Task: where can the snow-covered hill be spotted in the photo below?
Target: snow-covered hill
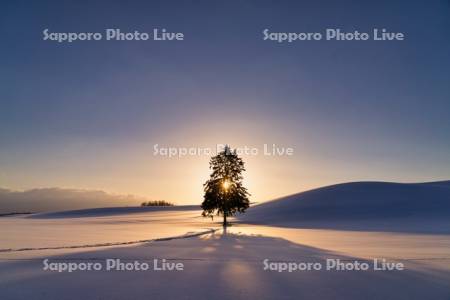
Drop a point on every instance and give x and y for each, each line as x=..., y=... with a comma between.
x=111, y=211
x=363, y=201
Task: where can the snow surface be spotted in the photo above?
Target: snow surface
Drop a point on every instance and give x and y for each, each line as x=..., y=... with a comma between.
x=109, y=211
x=373, y=206
x=229, y=265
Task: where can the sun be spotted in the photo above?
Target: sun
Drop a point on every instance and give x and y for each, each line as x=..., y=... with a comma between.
x=226, y=184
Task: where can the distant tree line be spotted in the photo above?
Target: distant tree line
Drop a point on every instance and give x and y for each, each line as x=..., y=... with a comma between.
x=156, y=203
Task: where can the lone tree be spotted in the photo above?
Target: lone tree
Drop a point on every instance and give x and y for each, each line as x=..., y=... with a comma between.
x=224, y=193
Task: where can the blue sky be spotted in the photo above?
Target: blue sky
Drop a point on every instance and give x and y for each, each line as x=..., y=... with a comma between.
x=86, y=114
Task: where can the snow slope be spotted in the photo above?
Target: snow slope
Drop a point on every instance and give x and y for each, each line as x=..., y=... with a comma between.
x=110, y=211
x=90, y=227
x=375, y=203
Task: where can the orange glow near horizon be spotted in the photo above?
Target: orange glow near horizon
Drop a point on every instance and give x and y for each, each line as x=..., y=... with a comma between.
x=130, y=166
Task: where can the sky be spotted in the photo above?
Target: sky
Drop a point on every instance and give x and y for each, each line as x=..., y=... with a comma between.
x=86, y=115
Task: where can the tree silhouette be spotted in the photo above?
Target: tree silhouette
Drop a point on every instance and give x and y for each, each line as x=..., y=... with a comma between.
x=224, y=193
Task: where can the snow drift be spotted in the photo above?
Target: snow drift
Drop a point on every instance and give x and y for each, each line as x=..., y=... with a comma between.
x=356, y=201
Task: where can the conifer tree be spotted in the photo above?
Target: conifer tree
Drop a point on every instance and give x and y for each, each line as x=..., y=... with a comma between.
x=224, y=193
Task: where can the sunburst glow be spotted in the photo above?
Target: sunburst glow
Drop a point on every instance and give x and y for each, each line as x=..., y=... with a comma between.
x=226, y=184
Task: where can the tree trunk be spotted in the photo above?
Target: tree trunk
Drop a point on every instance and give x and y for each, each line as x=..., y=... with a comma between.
x=225, y=220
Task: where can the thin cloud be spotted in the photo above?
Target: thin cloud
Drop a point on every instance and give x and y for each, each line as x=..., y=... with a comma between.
x=52, y=199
